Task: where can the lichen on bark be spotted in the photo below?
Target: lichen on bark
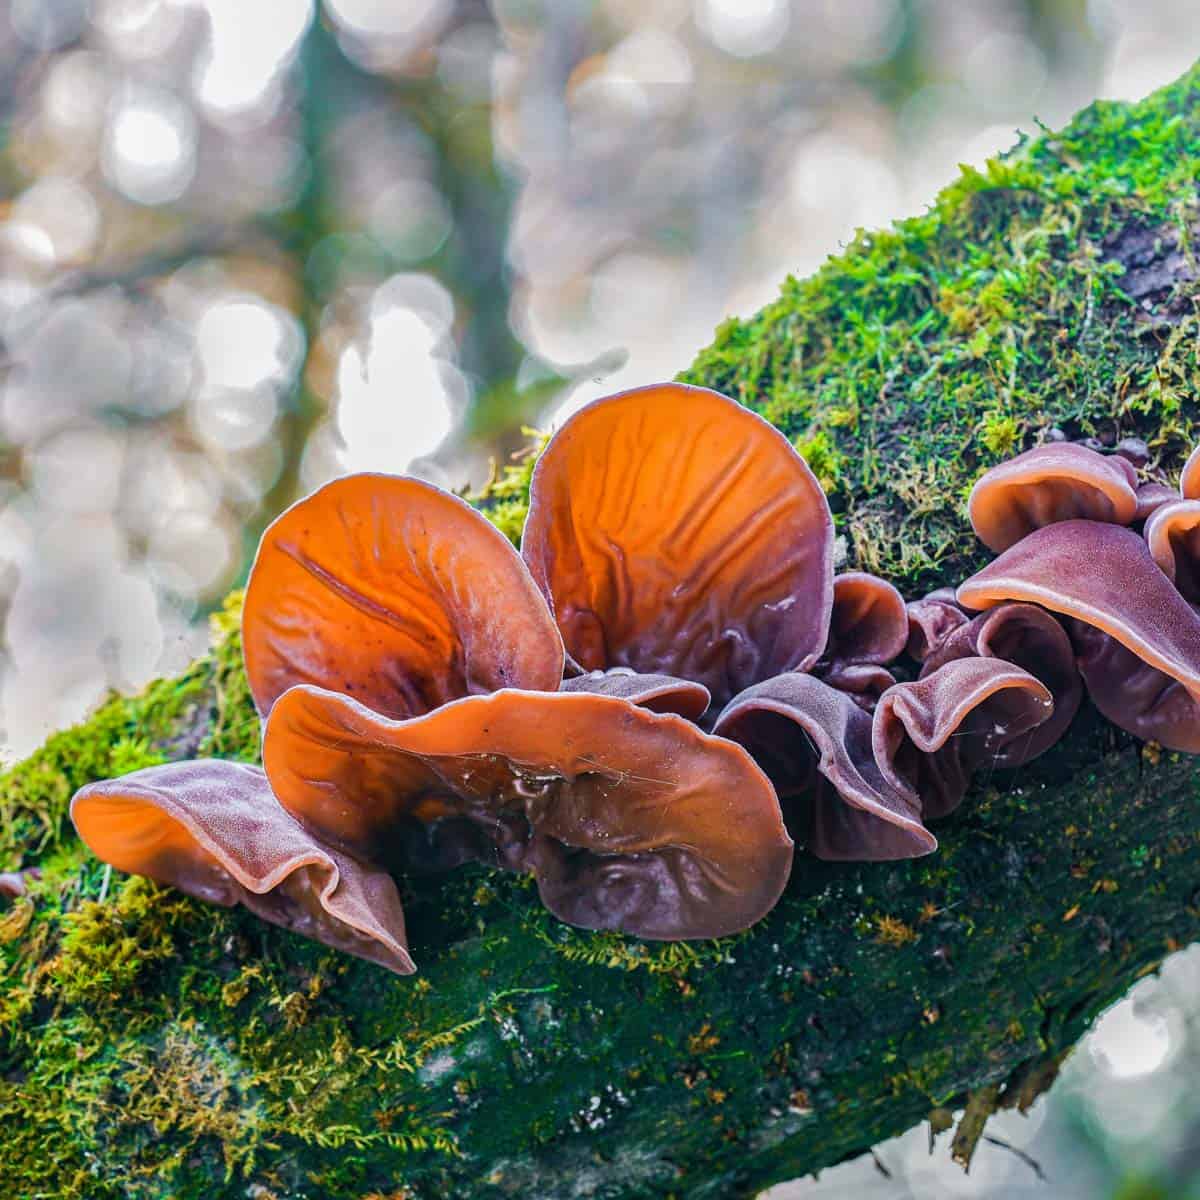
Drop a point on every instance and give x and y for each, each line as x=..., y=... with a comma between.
x=152, y=1046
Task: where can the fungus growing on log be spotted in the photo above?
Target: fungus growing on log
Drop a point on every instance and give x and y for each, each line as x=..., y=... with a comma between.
x=1056, y=482
x=815, y=744
x=397, y=593
x=214, y=830
x=674, y=531
x=628, y=819
x=1137, y=639
x=930, y=735
x=1030, y=638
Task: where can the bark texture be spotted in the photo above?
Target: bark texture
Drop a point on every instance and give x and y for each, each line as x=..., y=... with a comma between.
x=154, y=1047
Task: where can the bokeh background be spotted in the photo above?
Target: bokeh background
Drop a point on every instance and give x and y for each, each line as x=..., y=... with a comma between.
x=248, y=245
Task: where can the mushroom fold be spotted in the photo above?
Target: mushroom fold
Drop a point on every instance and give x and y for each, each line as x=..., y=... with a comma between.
x=1030, y=638
x=814, y=743
x=628, y=819
x=214, y=830
x=869, y=623
x=931, y=620
x=674, y=531
x=931, y=735
x=1105, y=578
x=659, y=693
x=397, y=593
x=1173, y=535
x=1060, y=481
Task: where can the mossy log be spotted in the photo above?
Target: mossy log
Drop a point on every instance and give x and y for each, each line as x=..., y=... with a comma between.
x=152, y=1046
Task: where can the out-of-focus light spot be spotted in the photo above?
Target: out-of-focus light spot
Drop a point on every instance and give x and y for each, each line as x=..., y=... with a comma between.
x=387, y=18
x=743, y=28
x=243, y=342
x=248, y=46
x=1139, y=63
x=836, y=179
x=79, y=470
x=465, y=60
x=191, y=554
x=30, y=242
x=650, y=56
x=150, y=148
x=411, y=219
x=632, y=290
x=396, y=398
x=871, y=28
x=48, y=24
x=75, y=92
x=1127, y=1043
x=65, y=211
x=987, y=143
x=1005, y=71
x=139, y=29
x=229, y=419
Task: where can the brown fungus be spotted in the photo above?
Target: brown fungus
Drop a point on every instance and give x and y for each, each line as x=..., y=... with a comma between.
x=214, y=830
x=814, y=742
x=674, y=531
x=658, y=693
x=868, y=624
x=931, y=620
x=931, y=735
x=398, y=594
x=1150, y=497
x=1030, y=638
x=1104, y=579
x=1061, y=481
x=1173, y=535
x=628, y=819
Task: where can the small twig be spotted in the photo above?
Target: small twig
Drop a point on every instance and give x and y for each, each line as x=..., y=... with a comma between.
x=880, y=1167
x=980, y=1105
x=1028, y=1159
x=104, y=883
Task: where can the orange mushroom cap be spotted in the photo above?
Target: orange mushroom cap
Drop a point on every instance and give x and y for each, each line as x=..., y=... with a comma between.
x=214, y=830
x=929, y=736
x=397, y=593
x=814, y=742
x=1030, y=638
x=628, y=819
x=674, y=531
x=1060, y=481
x=1104, y=578
x=1173, y=535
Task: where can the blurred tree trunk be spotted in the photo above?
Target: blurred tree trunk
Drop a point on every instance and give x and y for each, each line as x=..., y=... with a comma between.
x=151, y=1046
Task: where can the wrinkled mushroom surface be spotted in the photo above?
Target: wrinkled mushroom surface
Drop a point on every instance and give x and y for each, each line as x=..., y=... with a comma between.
x=214, y=830
x=628, y=819
x=675, y=532
x=396, y=593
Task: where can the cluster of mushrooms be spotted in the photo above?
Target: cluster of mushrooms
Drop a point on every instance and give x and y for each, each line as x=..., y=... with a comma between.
x=666, y=685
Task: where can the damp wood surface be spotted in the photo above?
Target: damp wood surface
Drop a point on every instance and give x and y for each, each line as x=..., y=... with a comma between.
x=151, y=1046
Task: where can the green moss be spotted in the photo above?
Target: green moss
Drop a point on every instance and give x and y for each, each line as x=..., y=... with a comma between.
x=151, y=1046
x=952, y=339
